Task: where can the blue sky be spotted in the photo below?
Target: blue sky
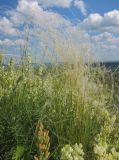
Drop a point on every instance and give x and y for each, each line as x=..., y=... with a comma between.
x=91, y=24
x=100, y=6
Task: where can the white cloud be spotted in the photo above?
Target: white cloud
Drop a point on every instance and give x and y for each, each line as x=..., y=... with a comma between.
x=105, y=46
x=6, y=26
x=108, y=22
x=10, y=42
x=93, y=21
x=32, y=12
x=81, y=5
x=6, y=42
x=107, y=37
x=111, y=18
x=106, y=40
x=19, y=42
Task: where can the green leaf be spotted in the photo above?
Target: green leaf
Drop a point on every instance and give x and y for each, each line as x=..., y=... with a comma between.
x=18, y=153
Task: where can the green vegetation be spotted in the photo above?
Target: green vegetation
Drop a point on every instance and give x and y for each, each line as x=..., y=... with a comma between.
x=74, y=103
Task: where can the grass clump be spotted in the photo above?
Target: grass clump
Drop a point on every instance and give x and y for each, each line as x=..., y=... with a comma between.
x=72, y=101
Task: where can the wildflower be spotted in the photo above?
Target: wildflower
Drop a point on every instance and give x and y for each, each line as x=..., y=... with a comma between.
x=74, y=152
x=102, y=154
x=99, y=150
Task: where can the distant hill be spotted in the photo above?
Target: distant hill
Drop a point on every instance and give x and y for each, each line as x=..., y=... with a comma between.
x=111, y=65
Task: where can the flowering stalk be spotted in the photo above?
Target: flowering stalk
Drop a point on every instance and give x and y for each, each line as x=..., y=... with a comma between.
x=42, y=142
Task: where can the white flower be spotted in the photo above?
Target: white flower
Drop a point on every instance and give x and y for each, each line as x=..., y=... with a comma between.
x=74, y=152
x=99, y=150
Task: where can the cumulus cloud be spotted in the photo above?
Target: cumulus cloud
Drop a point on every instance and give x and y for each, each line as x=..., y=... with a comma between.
x=93, y=21
x=18, y=42
x=107, y=37
x=6, y=42
x=32, y=12
x=107, y=41
x=81, y=5
x=6, y=26
x=111, y=18
x=10, y=42
x=105, y=45
x=108, y=22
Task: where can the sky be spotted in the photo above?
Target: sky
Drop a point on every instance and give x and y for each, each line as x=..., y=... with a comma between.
x=87, y=27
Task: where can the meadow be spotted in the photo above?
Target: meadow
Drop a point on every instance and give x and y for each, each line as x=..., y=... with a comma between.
x=65, y=112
